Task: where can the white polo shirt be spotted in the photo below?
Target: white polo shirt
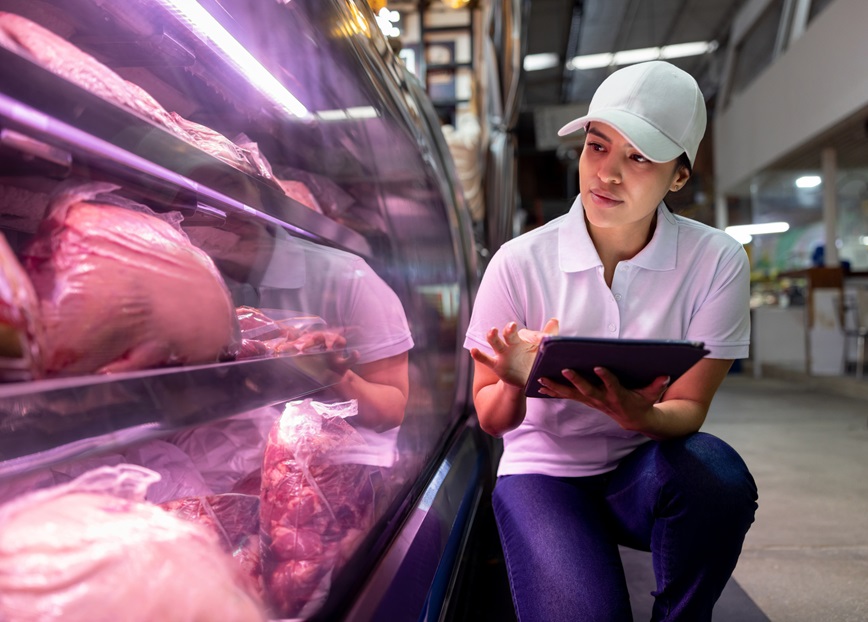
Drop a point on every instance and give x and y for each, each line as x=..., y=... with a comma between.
x=690, y=282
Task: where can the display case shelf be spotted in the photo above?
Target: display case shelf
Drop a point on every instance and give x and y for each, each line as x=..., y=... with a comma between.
x=50, y=421
x=107, y=161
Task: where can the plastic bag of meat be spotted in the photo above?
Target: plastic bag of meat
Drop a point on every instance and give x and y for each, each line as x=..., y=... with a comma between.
x=57, y=55
x=93, y=551
x=234, y=520
x=315, y=507
x=121, y=289
x=20, y=325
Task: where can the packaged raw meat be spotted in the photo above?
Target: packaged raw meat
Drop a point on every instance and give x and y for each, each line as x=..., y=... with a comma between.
x=60, y=57
x=93, y=551
x=316, y=506
x=122, y=289
x=20, y=324
x=234, y=521
x=66, y=60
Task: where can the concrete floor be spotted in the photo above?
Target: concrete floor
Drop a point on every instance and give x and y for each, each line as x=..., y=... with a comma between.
x=806, y=443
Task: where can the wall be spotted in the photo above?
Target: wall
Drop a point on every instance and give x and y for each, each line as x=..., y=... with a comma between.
x=820, y=80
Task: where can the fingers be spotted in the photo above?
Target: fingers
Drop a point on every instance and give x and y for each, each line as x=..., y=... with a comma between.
x=552, y=327
x=510, y=334
x=481, y=357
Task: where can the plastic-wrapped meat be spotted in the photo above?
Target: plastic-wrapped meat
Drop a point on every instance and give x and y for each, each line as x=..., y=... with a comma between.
x=213, y=142
x=20, y=325
x=66, y=60
x=298, y=191
x=315, y=505
x=122, y=289
x=234, y=520
x=93, y=551
x=255, y=324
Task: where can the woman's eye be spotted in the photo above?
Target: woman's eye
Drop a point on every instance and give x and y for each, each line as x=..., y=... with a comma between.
x=595, y=146
x=638, y=157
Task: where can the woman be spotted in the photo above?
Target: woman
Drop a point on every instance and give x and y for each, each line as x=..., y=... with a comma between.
x=600, y=466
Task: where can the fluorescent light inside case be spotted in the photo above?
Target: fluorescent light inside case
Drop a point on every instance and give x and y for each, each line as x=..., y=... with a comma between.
x=209, y=30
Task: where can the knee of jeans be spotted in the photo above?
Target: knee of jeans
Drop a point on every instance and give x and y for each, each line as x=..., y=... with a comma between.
x=710, y=470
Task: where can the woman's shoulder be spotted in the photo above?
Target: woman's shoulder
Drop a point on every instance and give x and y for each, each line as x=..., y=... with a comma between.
x=705, y=236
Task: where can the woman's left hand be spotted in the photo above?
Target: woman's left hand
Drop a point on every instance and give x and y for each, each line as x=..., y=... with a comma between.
x=630, y=408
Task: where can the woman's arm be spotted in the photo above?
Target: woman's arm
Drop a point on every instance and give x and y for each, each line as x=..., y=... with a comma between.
x=655, y=411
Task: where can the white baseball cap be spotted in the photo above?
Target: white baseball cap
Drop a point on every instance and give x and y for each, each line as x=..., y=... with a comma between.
x=655, y=105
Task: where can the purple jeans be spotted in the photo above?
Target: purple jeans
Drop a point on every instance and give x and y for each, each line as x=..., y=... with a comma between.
x=690, y=501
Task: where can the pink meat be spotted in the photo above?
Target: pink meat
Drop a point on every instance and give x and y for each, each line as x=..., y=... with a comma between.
x=20, y=325
x=314, y=510
x=122, y=290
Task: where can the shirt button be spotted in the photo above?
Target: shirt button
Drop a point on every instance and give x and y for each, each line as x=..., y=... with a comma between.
x=612, y=328
x=617, y=296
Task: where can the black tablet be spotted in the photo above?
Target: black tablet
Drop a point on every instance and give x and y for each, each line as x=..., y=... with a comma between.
x=636, y=362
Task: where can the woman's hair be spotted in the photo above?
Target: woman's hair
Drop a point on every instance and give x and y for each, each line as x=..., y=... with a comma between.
x=683, y=160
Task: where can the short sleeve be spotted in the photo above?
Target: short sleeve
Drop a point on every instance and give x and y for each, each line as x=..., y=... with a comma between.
x=722, y=322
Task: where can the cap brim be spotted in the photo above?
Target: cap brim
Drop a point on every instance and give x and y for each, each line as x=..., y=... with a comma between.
x=647, y=139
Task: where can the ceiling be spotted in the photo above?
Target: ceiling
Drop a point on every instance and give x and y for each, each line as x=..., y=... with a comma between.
x=578, y=27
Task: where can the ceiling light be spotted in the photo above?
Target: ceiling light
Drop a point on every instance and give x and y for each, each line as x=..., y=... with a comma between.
x=536, y=62
x=590, y=61
x=640, y=55
x=386, y=20
x=680, y=50
x=758, y=228
x=809, y=181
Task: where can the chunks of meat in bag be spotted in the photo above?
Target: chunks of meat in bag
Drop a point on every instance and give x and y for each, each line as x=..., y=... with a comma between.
x=234, y=520
x=121, y=289
x=316, y=505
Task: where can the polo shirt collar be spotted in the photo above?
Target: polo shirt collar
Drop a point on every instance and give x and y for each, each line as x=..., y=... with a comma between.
x=576, y=251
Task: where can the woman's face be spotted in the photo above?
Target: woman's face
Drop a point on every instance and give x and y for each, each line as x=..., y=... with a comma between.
x=620, y=187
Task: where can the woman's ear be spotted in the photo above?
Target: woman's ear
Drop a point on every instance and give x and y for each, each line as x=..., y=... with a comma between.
x=682, y=174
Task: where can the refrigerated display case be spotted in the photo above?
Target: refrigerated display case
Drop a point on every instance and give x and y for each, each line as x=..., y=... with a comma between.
x=281, y=148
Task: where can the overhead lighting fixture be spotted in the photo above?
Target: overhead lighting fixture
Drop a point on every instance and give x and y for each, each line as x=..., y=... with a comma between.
x=590, y=61
x=209, y=30
x=809, y=181
x=757, y=229
x=386, y=20
x=641, y=55
x=681, y=50
x=537, y=62
x=629, y=57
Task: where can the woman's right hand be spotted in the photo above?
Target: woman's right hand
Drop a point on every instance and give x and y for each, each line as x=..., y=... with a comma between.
x=514, y=351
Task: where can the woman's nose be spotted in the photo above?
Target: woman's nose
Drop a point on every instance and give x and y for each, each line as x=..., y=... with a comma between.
x=609, y=171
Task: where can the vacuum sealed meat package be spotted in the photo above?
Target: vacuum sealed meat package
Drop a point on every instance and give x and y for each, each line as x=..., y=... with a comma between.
x=316, y=504
x=20, y=325
x=92, y=550
x=57, y=55
x=234, y=520
x=122, y=289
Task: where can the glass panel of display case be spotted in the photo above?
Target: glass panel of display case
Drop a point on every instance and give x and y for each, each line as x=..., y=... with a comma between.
x=235, y=255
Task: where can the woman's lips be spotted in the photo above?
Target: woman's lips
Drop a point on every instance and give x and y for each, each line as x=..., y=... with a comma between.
x=604, y=199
